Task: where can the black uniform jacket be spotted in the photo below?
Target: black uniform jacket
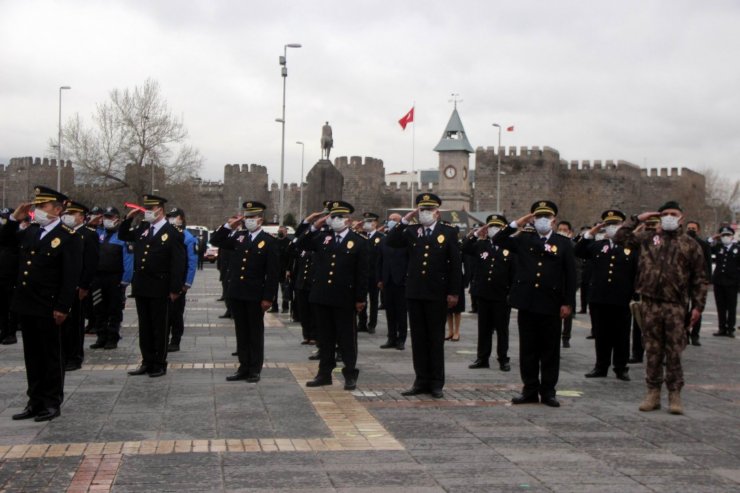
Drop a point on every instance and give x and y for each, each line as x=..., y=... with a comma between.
x=159, y=262
x=545, y=276
x=372, y=257
x=254, y=269
x=435, y=263
x=614, y=268
x=90, y=255
x=48, y=269
x=393, y=264
x=339, y=271
x=493, y=269
x=727, y=264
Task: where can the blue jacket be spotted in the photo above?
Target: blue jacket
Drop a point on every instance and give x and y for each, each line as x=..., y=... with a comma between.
x=126, y=254
x=191, y=248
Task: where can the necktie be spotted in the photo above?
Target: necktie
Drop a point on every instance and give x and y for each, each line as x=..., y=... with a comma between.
x=429, y=231
x=40, y=234
x=151, y=231
x=543, y=238
x=249, y=240
x=337, y=239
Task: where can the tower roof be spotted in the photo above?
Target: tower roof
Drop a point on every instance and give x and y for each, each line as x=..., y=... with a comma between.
x=454, y=138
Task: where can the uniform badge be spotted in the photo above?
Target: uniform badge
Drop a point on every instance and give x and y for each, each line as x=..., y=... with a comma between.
x=327, y=240
x=735, y=251
x=241, y=239
x=441, y=239
x=261, y=244
x=554, y=249
x=627, y=251
x=350, y=244
x=505, y=253
x=656, y=240
x=56, y=242
x=605, y=249
x=377, y=240
x=145, y=233
x=164, y=237
x=484, y=255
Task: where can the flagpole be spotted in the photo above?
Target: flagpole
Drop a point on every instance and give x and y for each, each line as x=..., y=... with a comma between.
x=413, y=154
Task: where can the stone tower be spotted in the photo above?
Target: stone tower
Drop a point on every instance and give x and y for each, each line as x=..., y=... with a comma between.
x=454, y=155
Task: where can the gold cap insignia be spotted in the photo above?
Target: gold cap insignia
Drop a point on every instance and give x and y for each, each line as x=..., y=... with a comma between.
x=261, y=244
x=55, y=242
x=165, y=236
x=336, y=204
x=543, y=204
x=426, y=197
x=37, y=190
x=441, y=239
x=249, y=204
x=610, y=214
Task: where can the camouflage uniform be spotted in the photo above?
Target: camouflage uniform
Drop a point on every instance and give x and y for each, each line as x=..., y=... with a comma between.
x=671, y=277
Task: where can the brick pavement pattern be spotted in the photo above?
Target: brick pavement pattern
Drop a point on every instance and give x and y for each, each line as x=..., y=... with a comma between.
x=191, y=431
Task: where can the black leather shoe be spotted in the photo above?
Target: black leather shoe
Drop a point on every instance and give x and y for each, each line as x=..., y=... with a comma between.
x=319, y=381
x=236, y=376
x=9, y=339
x=315, y=357
x=235, y=353
x=47, y=414
x=350, y=383
x=590, y=337
x=479, y=363
x=72, y=366
x=731, y=334
x=221, y=299
x=173, y=348
x=27, y=413
x=623, y=375
x=505, y=366
x=111, y=344
x=566, y=343
x=99, y=344
x=413, y=391
x=525, y=399
x=551, y=401
x=401, y=346
x=253, y=378
x=721, y=333
x=370, y=330
x=225, y=315
x=595, y=373
x=141, y=370
x=158, y=373
x=437, y=394
x=695, y=341
x=388, y=345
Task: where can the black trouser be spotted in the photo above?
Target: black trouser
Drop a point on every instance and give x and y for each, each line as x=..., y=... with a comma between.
x=637, y=348
x=726, y=299
x=539, y=352
x=696, y=328
x=108, y=298
x=285, y=293
x=200, y=262
x=584, y=296
x=153, y=331
x=73, y=334
x=177, y=318
x=612, y=335
x=568, y=327
x=336, y=327
x=427, y=321
x=42, y=352
x=305, y=315
x=396, y=312
x=372, y=294
x=493, y=316
x=8, y=318
x=249, y=323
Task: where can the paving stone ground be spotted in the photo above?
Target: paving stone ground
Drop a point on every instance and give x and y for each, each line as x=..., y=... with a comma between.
x=193, y=431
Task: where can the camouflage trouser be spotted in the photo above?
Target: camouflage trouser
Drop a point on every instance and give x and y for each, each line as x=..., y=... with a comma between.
x=664, y=336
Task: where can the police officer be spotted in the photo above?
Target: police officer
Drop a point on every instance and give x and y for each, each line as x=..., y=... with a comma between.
x=114, y=274
x=8, y=276
x=73, y=328
x=392, y=269
x=159, y=270
x=611, y=289
x=50, y=262
x=565, y=228
x=433, y=284
x=252, y=285
x=494, y=268
x=370, y=231
x=726, y=279
x=693, y=229
x=544, y=292
x=176, y=217
x=339, y=290
x=301, y=273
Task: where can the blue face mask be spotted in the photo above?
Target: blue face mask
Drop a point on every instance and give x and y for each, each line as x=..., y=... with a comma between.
x=391, y=224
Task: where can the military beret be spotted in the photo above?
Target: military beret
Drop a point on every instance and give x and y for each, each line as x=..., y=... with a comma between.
x=671, y=204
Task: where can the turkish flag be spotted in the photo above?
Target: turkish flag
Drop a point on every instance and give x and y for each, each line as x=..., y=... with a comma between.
x=407, y=118
x=510, y=129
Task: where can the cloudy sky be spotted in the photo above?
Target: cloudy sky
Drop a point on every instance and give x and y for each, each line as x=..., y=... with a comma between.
x=656, y=83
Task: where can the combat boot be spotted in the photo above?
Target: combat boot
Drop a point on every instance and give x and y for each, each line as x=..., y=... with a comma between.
x=651, y=401
x=674, y=402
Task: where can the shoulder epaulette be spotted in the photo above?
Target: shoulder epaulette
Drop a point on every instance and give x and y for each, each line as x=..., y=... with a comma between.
x=69, y=230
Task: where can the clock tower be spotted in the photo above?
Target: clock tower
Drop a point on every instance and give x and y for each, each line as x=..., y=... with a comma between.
x=454, y=157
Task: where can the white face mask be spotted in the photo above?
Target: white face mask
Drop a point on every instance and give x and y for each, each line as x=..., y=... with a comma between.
x=69, y=220
x=611, y=230
x=669, y=223
x=3, y=221
x=251, y=223
x=150, y=216
x=426, y=218
x=599, y=236
x=175, y=221
x=726, y=240
x=391, y=223
x=338, y=223
x=492, y=230
x=110, y=223
x=543, y=225
x=367, y=227
x=42, y=218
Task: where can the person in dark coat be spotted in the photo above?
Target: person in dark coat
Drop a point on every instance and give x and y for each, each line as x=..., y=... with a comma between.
x=726, y=279
x=544, y=293
x=693, y=229
x=391, y=273
x=159, y=274
x=8, y=276
x=370, y=231
x=433, y=284
x=49, y=266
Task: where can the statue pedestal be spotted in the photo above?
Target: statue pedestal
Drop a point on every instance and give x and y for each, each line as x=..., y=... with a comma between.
x=323, y=182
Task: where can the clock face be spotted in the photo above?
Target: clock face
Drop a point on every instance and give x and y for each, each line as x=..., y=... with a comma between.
x=450, y=172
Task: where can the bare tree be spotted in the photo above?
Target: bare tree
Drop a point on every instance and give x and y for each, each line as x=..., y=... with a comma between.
x=132, y=141
x=723, y=195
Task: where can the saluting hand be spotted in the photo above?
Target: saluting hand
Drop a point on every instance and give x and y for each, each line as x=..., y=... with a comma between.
x=312, y=217
x=647, y=215
x=21, y=212
x=595, y=229
x=522, y=221
x=133, y=213
x=482, y=232
x=233, y=221
x=320, y=223
x=410, y=215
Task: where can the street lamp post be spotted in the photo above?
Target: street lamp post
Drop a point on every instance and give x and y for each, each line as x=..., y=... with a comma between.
x=300, y=206
x=284, y=73
x=498, y=170
x=59, y=142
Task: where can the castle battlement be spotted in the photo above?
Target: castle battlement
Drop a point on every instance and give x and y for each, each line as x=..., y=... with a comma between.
x=395, y=186
x=293, y=187
x=22, y=162
x=669, y=173
x=523, y=152
x=609, y=164
x=343, y=162
x=231, y=169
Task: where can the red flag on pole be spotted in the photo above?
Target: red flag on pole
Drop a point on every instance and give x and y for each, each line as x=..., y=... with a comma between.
x=510, y=129
x=407, y=118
